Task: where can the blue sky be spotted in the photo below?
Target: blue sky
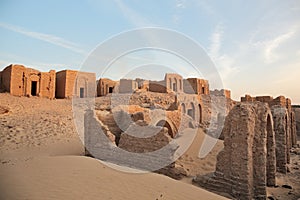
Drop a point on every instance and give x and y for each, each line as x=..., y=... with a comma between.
x=255, y=45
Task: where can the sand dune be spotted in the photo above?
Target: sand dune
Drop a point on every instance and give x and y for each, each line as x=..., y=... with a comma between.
x=42, y=158
x=75, y=177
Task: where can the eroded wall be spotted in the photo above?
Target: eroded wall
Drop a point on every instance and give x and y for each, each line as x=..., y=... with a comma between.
x=296, y=110
x=105, y=86
x=247, y=163
x=173, y=82
x=196, y=86
x=284, y=126
x=127, y=86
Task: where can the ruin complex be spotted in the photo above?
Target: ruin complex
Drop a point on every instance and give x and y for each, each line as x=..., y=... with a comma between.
x=258, y=133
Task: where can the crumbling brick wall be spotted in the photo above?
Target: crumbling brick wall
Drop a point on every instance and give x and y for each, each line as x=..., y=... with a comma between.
x=173, y=82
x=284, y=128
x=157, y=86
x=196, y=86
x=105, y=86
x=5, y=80
x=281, y=128
x=222, y=92
x=247, y=163
x=296, y=110
x=127, y=86
x=150, y=157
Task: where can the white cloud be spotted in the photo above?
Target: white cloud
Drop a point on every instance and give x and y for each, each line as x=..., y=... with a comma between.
x=216, y=41
x=58, y=41
x=272, y=45
x=180, y=4
x=224, y=62
x=135, y=18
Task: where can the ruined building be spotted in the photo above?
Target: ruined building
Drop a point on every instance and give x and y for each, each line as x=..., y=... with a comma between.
x=21, y=81
x=127, y=86
x=247, y=163
x=106, y=86
x=284, y=126
x=222, y=92
x=172, y=82
x=193, y=96
x=71, y=83
x=196, y=86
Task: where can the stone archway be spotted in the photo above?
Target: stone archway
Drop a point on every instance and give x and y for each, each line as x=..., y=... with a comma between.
x=200, y=113
x=164, y=123
x=191, y=110
x=246, y=165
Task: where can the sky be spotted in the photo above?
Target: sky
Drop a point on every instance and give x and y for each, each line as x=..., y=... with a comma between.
x=255, y=45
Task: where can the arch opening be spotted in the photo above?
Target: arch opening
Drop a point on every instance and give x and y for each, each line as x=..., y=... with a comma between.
x=287, y=140
x=164, y=123
x=191, y=111
x=200, y=113
x=183, y=111
x=270, y=156
x=175, y=85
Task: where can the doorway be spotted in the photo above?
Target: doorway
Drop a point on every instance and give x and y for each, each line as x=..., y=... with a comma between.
x=200, y=113
x=174, y=87
x=81, y=92
x=33, y=88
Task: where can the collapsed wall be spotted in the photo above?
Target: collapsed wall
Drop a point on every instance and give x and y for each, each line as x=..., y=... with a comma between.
x=146, y=157
x=247, y=163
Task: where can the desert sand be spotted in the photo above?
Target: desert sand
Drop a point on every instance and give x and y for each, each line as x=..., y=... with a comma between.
x=42, y=157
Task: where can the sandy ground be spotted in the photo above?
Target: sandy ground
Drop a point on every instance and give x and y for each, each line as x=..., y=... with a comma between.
x=41, y=157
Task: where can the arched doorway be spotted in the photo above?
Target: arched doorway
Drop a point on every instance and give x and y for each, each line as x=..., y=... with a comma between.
x=270, y=156
x=183, y=108
x=180, y=85
x=175, y=85
x=191, y=111
x=287, y=140
x=200, y=113
x=164, y=123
